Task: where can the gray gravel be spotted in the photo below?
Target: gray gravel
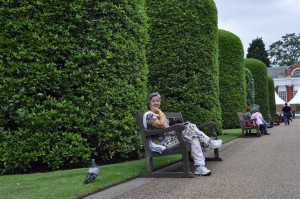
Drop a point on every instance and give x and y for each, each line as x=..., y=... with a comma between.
x=256, y=167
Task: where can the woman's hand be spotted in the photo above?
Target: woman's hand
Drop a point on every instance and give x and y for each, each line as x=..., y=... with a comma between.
x=155, y=110
x=161, y=118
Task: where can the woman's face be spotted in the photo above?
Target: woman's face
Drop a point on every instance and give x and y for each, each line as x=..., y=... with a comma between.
x=155, y=102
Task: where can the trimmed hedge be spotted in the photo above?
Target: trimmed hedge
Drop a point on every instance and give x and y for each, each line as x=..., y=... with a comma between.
x=260, y=75
x=73, y=74
x=249, y=87
x=272, y=102
x=182, y=58
x=232, y=77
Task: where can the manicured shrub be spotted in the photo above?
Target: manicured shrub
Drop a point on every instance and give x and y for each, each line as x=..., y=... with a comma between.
x=73, y=74
x=250, y=91
x=272, y=102
x=182, y=58
x=260, y=75
x=232, y=77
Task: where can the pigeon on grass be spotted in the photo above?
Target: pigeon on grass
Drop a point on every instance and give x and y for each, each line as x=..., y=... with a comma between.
x=93, y=172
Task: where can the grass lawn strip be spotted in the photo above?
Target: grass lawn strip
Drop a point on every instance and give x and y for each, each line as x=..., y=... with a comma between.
x=69, y=183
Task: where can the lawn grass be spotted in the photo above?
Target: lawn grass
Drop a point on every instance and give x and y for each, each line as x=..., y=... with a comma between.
x=69, y=183
x=230, y=134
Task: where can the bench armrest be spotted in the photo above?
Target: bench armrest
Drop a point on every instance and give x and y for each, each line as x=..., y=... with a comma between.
x=211, y=126
x=206, y=125
x=177, y=127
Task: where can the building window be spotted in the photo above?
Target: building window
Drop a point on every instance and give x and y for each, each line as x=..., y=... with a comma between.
x=296, y=72
x=282, y=95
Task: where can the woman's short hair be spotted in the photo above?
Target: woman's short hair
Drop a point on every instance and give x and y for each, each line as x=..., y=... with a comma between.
x=150, y=97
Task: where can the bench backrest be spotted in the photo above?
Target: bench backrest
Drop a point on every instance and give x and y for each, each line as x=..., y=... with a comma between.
x=241, y=118
x=139, y=120
x=174, y=117
x=243, y=121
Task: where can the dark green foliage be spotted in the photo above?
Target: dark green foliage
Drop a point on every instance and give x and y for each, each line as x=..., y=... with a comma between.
x=73, y=74
x=249, y=87
x=257, y=50
x=260, y=75
x=232, y=77
x=285, y=52
x=272, y=102
x=182, y=57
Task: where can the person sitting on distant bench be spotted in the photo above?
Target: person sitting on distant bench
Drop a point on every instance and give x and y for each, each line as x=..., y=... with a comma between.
x=293, y=113
x=260, y=121
x=247, y=116
x=266, y=124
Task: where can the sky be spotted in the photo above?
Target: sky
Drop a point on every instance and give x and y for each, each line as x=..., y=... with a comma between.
x=266, y=19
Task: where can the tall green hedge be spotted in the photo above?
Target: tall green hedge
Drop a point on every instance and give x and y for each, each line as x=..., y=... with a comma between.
x=249, y=87
x=73, y=72
x=182, y=57
x=232, y=77
x=260, y=75
x=272, y=102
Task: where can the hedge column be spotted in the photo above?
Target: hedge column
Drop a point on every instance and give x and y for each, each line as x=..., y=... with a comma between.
x=232, y=77
x=260, y=75
x=182, y=57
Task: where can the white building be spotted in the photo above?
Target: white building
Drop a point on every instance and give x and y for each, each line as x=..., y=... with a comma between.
x=287, y=84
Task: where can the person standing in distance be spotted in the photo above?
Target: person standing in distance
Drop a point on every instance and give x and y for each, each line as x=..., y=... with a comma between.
x=286, y=114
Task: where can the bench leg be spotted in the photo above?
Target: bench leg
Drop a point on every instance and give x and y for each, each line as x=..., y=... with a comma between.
x=185, y=173
x=186, y=162
x=149, y=162
x=216, y=156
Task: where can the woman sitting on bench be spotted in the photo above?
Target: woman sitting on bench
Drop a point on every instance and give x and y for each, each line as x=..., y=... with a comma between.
x=260, y=121
x=156, y=119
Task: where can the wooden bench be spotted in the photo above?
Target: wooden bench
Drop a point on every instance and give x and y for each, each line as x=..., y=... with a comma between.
x=182, y=148
x=246, y=130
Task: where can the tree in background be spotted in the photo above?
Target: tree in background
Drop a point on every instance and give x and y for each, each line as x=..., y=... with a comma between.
x=250, y=91
x=260, y=75
x=232, y=82
x=257, y=50
x=182, y=57
x=272, y=96
x=285, y=52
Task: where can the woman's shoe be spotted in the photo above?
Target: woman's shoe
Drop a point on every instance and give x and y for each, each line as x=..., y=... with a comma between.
x=215, y=144
x=202, y=170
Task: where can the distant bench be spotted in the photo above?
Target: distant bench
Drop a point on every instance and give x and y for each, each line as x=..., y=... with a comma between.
x=182, y=148
x=246, y=130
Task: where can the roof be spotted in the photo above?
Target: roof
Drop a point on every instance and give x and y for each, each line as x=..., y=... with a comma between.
x=277, y=72
x=280, y=72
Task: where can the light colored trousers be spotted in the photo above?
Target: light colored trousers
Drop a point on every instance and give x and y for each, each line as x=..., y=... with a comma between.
x=196, y=148
x=197, y=152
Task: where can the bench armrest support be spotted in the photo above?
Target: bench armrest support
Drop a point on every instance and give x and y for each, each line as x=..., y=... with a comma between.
x=177, y=127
